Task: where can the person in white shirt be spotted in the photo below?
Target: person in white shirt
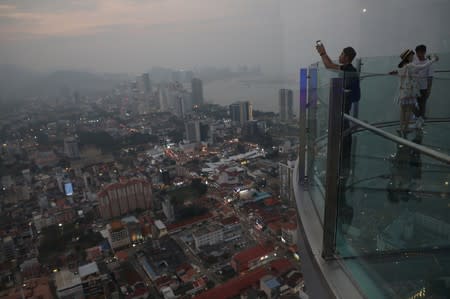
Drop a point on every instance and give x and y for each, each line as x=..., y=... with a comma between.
x=424, y=81
x=409, y=88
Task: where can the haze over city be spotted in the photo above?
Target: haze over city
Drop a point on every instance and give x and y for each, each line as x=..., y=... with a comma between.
x=131, y=36
x=223, y=149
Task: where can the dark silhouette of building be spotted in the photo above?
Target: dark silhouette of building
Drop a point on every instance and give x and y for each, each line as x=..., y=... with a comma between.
x=285, y=102
x=197, y=91
x=241, y=112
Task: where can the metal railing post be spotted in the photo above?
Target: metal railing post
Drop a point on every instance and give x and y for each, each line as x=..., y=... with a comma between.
x=303, y=80
x=311, y=121
x=335, y=127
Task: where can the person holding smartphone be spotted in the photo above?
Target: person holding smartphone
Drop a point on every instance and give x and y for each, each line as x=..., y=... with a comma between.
x=351, y=76
x=352, y=94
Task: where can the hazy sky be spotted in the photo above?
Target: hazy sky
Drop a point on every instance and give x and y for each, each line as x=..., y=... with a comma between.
x=133, y=35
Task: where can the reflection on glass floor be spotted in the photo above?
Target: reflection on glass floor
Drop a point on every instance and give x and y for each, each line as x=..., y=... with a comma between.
x=394, y=213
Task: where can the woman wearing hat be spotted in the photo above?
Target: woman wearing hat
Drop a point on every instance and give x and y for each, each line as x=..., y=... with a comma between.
x=408, y=90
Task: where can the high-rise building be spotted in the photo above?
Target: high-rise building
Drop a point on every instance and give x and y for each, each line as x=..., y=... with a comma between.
x=163, y=98
x=147, y=84
x=241, y=112
x=253, y=128
x=235, y=113
x=124, y=197
x=286, y=172
x=285, y=102
x=197, y=91
x=168, y=209
x=71, y=147
x=143, y=85
x=196, y=131
x=205, y=132
x=193, y=131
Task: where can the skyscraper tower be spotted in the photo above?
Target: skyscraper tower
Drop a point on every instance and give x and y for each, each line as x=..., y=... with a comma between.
x=193, y=131
x=285, y=102
x=163, y=98
x=146, y=83
x=241, y=112
x=197, y=91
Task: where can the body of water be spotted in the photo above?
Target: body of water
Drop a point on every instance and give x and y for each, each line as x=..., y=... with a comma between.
x=261, y=91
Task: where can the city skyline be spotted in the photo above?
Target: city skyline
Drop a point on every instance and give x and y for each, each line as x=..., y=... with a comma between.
x=198, y=149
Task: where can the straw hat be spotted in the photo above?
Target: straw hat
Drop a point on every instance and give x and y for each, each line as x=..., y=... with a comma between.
x=405, y=54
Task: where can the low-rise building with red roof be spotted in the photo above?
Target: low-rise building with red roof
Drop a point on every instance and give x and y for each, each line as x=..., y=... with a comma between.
x=177, y=226
x=236, y=286
x=251, y=257
x=32, y=288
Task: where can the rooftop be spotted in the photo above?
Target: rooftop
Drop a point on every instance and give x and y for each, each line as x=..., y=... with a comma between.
x=160, y=225
x=116, y=225
x=252, y=253
x=88, y=269
x=270, y=281
x=66, y=279
x=235, y=286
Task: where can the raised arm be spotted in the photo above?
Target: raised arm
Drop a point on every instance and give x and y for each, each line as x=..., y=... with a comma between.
x=417, y=67
x=329, y=64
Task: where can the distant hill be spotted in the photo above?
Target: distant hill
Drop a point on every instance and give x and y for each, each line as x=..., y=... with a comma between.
x=17, y=83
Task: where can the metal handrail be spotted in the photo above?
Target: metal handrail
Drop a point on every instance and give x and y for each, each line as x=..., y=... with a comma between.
x=423, y=149
x=364, y=75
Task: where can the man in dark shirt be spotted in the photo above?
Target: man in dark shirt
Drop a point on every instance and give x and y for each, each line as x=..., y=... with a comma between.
x=352, y=92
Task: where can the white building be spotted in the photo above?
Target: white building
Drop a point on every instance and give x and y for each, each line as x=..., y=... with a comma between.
x=168, y=209
x=289, y=233
x=209, y=235
x=286, y=172
x=92, y=280
x=68, y=285
x=159, y=229
x=118, y=235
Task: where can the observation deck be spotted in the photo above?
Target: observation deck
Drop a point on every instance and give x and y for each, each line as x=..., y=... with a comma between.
x=374, y=205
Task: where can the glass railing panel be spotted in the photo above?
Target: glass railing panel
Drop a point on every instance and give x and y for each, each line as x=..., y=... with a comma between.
x=394, y=200
x=317, y=124
x=393, y=206
x=379, y=89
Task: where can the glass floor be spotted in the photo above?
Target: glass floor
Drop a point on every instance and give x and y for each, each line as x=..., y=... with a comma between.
x=394, y=216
